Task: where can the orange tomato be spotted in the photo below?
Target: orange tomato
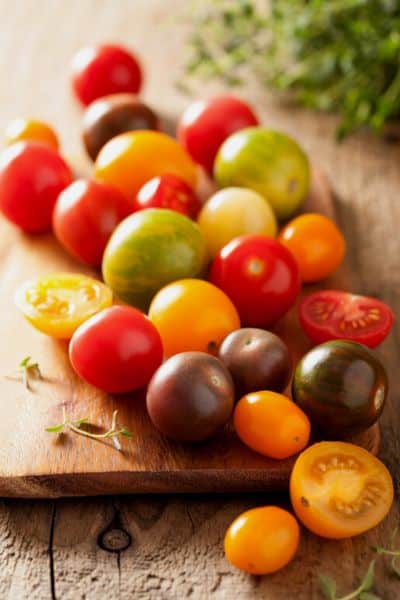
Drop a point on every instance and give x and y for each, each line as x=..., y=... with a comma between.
x=131, y=159
x=193, y=315
x=26, y=130
x=271, y=424
x=339, y=490
x=262, y=540
x=316, y=243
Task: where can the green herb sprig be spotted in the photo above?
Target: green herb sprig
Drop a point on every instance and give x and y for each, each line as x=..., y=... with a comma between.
x=392, y=551
x=27, y=370
x=113, y=432
x=341, y=56
x=363, y=591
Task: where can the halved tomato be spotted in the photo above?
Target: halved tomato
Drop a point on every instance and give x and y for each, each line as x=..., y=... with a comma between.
x=339, y=490
x=335, y=315
x=57, y=304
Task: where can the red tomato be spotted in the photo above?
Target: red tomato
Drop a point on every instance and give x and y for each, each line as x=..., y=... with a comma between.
x=99, y=71
x=335, y=315
x=260, y=276
x=168, y=191
x=206, y=124
x=31, y=177
x=117, y=350
x=85, y=215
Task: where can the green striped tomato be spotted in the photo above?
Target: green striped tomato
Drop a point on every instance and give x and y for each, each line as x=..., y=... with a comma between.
x=150, y=249
x=269, y=162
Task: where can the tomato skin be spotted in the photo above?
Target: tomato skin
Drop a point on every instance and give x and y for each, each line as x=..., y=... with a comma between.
x=206, y=124
x=336, y=315
x=168, y=191
x=271, y=424
x=192, y=315
x=31, y=130
x=339, y=490
x=131, y=159
x=260, y=276
x=31, y=177
x=85, y=215
x=262, y=540
x=99, y=71
x=317, y=245
x=117, y=350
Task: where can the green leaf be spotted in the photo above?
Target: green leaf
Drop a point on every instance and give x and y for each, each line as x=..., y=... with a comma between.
x=55, y=428
x=81, y=421
x=328, y=586
x=126, y=433
x=369, y=596
x=368, y=580
x=25, y=362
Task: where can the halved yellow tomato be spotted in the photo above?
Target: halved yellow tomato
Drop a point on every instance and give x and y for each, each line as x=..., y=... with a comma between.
x=339, y=490
x=57, y=304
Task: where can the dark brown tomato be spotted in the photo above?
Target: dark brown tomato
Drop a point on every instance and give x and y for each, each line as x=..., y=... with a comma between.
x=341, y=386
x=190, y=397
x=257, y=360
x=108, y=117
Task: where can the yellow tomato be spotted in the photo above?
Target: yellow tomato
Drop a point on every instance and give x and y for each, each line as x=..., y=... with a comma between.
x=339, y=490
x=57, y=304
x=31, y=130
x=233, y=212
x=131, y=159
x=262, y=540
x=193, y=315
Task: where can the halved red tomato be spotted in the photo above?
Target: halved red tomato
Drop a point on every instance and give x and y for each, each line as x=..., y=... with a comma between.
x=333, y=315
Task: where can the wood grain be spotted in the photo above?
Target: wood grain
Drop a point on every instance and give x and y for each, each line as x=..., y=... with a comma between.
x=51, y=549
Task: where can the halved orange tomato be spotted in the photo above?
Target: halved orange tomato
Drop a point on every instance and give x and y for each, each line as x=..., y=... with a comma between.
x=57, y=304
x=339, y=490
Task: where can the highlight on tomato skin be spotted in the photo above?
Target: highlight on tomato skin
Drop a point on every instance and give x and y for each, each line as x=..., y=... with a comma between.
x=332, y=315
x=339, y=490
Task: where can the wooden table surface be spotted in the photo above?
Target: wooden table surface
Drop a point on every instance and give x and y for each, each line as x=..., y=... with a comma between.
x=170, y=547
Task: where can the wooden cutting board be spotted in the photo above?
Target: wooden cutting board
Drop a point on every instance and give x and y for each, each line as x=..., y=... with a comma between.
x=34, y=463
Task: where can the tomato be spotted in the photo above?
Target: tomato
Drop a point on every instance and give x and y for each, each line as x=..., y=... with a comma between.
x=85, y=215
x=31, y=130
x=317, y=245
x=168, y=191
x=342, y=387
x=270, y=163
x=233, y=212
x=260, y=276
x=192, y=315
x=205, y=124
x=57, y=304
x=117, y=350
x=131, y=159
x=262, y=540
x=150, y=249
x=31, y=177
x=99, y=71
x=271, y=424
x=340, y=490
x=333, y=315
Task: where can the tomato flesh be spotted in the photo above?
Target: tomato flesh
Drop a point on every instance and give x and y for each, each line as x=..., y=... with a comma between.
x=57, y=304
x=331, y=315
x=339, y=490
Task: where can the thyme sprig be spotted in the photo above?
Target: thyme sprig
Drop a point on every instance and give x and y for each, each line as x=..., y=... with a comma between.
x=27, y=370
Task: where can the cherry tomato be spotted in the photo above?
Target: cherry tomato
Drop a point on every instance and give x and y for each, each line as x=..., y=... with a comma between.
x=317, y=245
x=206, y=124
x=31, y=177
x=262, y=540
x=339, y=490
x=232, y=212
x=260, y=276
x=168, y=191
x=85, y=215
x=271, y=424
x=131, y=159
x=117, y=350
x=191, y=314
x=99, y=71
x=31, y=130
x=335, y=315
x=57, y=304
